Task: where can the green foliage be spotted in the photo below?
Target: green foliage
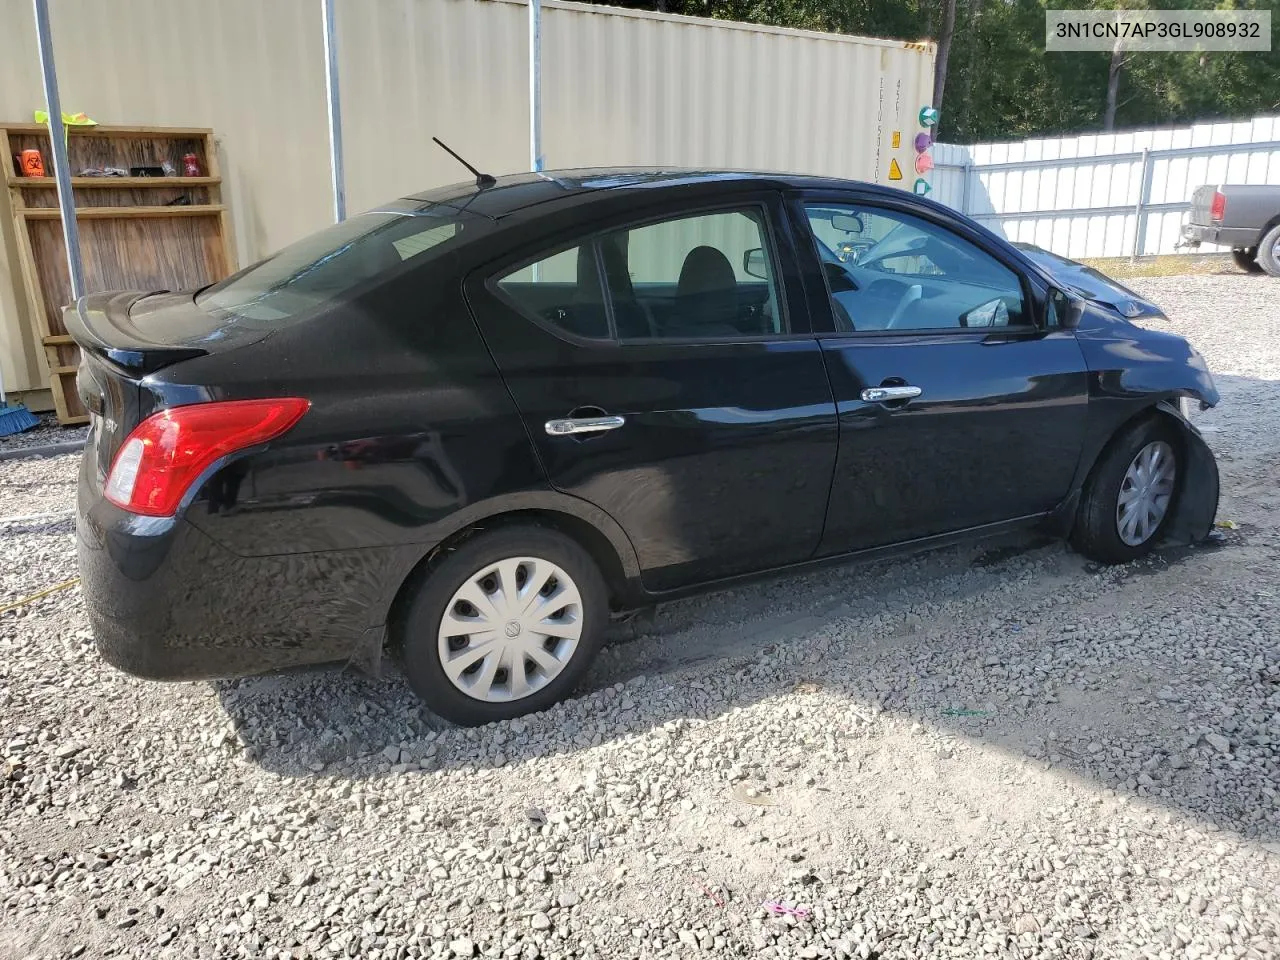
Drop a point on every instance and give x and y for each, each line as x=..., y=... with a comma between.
x=1002, y=85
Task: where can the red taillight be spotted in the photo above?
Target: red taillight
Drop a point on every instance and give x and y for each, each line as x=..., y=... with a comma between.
x=1218, y=208
x=167, y=452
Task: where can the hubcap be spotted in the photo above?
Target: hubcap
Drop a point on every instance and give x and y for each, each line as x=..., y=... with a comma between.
x=1145, y=493
x=510, y=629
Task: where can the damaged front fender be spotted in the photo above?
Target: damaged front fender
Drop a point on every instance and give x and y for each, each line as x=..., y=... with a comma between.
x=1196, y=506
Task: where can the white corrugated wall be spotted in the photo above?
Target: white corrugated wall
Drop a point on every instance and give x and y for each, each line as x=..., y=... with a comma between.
x=619, y=87
x=1054, y=195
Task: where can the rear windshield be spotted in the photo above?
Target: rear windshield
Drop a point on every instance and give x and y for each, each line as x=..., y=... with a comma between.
x=333, y=262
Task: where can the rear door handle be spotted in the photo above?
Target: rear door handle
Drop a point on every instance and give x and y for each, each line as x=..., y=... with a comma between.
x=886, y=394
x=573, y=425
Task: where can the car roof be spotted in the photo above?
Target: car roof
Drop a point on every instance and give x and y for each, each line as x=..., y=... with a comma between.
x=516, y=192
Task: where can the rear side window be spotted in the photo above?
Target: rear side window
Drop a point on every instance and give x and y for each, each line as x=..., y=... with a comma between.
x=709, y=277
x=334, y=262
x=701, y=277
x=563, y=290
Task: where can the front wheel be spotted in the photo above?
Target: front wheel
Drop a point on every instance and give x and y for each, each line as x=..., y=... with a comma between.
x=504, y=625
x=1130, y=495
x=1246, y=258
x=1269, y=252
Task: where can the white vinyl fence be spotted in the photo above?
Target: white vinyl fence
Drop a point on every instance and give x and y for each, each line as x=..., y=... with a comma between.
x=1103, y=195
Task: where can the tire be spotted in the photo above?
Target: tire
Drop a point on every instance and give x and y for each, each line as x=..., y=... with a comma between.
x=1098, y=532
x=1269, y=251
x=1247, y=259
x=480, y=568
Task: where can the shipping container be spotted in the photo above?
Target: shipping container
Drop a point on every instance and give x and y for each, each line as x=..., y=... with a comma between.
x=619, y=87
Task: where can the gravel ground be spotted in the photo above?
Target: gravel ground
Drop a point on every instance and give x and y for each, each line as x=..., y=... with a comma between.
x=997, y=751
x=49, y=432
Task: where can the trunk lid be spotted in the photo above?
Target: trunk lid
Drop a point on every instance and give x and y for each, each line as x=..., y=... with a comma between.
x=139, y=333
x=124, y=337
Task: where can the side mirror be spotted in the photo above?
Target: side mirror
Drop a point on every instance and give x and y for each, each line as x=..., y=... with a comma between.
x=754, y=264
x=848, y=222
x=993, y=313
x=1058, y=310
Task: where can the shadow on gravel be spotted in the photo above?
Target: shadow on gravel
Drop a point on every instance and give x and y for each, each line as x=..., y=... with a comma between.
x=1014, y=643
x=1155, y=679
x=37, y=527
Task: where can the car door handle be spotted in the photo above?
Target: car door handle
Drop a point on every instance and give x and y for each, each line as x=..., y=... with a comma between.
x=886, y=394
x=572, y=425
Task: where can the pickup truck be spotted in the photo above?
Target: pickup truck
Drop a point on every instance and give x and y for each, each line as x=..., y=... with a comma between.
x=1244, y=218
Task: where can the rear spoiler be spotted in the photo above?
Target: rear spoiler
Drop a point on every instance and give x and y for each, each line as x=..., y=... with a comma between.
x=100, y=324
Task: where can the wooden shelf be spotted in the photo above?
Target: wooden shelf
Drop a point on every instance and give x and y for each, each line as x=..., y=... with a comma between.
x=130, y=238
x=102, y=213
x=101, y=130
x=109, y=182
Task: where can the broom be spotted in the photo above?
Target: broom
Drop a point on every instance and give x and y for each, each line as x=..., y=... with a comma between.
x=14, y=419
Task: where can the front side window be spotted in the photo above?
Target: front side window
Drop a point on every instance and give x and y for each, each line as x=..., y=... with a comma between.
x=334, y=262
x=709, y=276
x=887, y=270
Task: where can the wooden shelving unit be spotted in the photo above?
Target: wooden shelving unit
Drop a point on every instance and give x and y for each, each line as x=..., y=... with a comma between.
x=148, y=233
x=117, y=182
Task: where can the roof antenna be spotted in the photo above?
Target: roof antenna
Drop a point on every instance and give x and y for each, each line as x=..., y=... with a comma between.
x=482, y=179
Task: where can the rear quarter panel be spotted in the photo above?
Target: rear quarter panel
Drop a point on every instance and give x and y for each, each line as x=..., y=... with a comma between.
x=1252, y=207
x=409, y=423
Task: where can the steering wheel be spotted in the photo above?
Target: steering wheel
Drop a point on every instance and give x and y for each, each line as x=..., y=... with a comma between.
x=913, y=295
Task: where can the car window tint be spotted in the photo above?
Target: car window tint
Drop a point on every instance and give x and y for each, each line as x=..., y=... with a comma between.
x=887, y=270
x=562, y=290
x=334, y=262
x=708, y=276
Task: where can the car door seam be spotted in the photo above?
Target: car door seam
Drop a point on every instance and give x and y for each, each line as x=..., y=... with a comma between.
x=835, y=463
x=524, y=425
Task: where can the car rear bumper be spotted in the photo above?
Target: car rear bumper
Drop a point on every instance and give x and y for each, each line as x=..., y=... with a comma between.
x=166, y=602
x=1241, y=237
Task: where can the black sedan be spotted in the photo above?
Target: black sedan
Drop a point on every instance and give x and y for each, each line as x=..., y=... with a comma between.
x=475, y=423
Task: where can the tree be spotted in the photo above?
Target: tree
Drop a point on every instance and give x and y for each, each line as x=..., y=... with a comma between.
x=994, y=80
x=944, y=53
x=1113, y=85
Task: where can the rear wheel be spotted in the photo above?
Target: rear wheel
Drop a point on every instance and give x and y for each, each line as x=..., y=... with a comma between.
x=505, y=625
x=1246, y=259
x=1130, y=495
x=1269, y=251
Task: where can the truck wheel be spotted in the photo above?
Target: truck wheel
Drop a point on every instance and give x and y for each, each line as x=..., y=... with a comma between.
x=1246, y=259
x=1269, y=251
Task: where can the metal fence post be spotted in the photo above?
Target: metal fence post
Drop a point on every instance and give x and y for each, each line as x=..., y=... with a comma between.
x=966, y=173
x=334, y=99
x=58, y=146
x=1140, y=211
x=535, y=85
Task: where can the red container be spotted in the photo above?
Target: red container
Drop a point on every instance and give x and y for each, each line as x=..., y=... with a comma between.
x=32, y=163
x=191, y=165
